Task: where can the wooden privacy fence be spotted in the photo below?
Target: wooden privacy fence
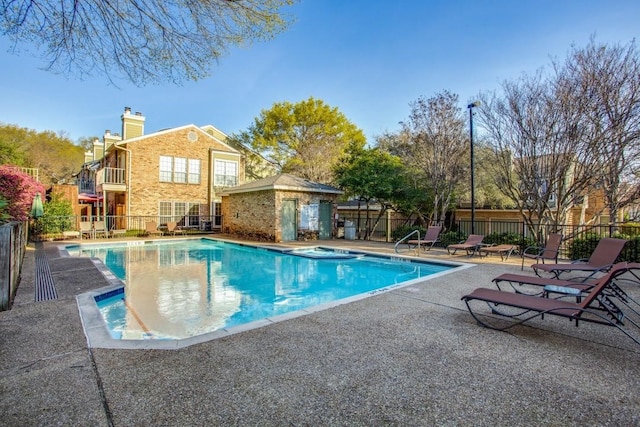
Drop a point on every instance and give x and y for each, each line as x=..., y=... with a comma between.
x=13, y=243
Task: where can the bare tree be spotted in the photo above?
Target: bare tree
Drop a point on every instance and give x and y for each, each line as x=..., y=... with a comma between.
x=144, y=41
x=608, y=81
x=543, y=152
x=433, y=142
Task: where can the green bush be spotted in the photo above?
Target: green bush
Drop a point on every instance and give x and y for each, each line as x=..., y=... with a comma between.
x=58, y=217
x=629, y=229
x=583, y=247
x=631, y=251
x=400, y=232
x=509, y=238
x=451, y=237
x=4, y=213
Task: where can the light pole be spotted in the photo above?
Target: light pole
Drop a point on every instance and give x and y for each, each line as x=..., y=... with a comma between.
x=473, y=189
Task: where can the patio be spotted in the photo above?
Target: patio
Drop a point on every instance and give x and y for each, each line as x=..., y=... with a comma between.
x=412, y=356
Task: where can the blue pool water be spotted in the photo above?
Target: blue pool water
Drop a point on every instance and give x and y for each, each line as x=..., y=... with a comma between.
x=184, y=288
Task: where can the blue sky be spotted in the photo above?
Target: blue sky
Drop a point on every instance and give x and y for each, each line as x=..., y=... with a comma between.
x=369, y=59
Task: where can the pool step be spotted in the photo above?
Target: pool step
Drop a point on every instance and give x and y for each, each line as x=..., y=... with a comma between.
x=45, y=287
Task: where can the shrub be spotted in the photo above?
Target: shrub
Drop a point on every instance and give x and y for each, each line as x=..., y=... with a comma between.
x=4, y=214
x=629, y=229
x=401, y=232
x=18, y=189
x=58, y=216
x=451, y=237
x=631, y=251
x=583, y=247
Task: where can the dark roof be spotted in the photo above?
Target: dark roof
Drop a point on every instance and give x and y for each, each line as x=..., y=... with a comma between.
x=285, y=182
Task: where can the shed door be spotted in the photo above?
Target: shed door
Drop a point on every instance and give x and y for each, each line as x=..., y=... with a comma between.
x=324, y=220
x=288, y=221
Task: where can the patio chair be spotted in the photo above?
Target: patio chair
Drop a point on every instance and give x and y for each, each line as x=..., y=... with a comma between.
x=534, y=285
x=86, y=229
x=547, y=252
x=600, y=261
x=151, y=228
x=596, y=307
x=430, y=238
x=99, y=229
x=471, y=245
x=173, y=228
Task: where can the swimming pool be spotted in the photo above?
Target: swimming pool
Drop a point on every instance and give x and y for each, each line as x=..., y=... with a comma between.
x=184, y=289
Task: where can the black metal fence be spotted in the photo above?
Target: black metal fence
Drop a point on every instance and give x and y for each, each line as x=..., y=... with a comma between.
x=578, y=240
x=60, y=227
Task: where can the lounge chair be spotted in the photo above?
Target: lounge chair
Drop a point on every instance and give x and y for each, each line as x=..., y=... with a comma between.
x=504, y=251
x=600, y=261
x=547, y=252
x=99, y=229
x=151, y=228
x=534, y=285
x=430, y=238
x=471, y=245
x=596, y=307
x=173, y=228
x=86, y=229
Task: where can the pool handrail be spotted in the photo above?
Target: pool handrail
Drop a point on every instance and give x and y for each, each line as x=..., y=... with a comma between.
x=406, y=238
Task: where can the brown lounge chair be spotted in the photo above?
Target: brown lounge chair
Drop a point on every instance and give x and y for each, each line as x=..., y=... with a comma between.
x=173, y=228
x=520, y=281
x=600, y=261
x=548, y=252
x=151, y=228
x=430, y=238
x=504, y=251
x=471, y=245
x=596, y=307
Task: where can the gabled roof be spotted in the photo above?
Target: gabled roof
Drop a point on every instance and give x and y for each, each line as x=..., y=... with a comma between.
x=284, y=182
x=176, y=129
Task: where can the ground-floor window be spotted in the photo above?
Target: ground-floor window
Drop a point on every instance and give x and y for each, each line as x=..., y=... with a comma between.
x=186, y=214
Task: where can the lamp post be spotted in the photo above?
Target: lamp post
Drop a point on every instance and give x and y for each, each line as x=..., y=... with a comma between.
x=473, y=190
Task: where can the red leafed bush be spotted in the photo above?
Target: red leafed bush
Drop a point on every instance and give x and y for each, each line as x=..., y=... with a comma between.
x=18, y=189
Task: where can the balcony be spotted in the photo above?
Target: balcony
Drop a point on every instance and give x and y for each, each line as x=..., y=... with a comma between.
x=111, y=179
x=86, y=186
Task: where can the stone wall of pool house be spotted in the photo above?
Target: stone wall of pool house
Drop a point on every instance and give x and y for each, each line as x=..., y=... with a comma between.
x=257, y=213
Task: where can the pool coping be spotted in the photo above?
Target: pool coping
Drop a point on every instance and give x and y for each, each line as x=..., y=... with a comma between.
x=98, y=335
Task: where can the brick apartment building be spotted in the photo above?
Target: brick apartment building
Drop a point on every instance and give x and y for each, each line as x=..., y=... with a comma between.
x=173, y=174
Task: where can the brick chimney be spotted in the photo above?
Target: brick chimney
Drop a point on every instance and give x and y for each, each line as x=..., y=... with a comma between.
x=132, y=124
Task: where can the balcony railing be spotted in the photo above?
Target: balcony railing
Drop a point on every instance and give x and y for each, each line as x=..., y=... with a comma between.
x=33, y=172
x=111, y=176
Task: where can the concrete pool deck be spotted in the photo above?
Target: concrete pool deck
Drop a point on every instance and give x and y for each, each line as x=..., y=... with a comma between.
x=411, y=356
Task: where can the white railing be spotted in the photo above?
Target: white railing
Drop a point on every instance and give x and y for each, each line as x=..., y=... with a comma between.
x=111, y=176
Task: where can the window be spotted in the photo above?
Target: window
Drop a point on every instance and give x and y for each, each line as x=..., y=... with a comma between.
x=184, y=213
x=225, y=173
x=165, y=212
x=166, y=168
x=179, y=170
x=194, y=171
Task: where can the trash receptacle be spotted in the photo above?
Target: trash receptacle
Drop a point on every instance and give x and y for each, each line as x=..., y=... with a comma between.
x=349, y=230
